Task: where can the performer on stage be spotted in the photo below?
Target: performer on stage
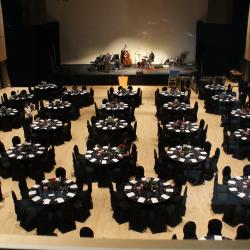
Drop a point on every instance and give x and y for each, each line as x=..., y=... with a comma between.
x=151, y=57
x=123, y=51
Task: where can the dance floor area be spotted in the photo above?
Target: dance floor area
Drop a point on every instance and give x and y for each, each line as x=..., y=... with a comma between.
x=101, y=222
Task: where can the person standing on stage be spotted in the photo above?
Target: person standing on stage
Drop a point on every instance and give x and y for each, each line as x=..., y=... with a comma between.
x=123, y=51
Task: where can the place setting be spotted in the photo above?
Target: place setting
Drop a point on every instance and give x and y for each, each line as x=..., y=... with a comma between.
x=181, y=127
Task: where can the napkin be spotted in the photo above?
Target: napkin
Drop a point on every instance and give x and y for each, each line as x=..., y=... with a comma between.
x=104, y=161
x=36, y=198
x=130, y=194
x=231, y=182
x=60, y=200
x=73, y=186
x=169, y=190
x=181, y=159
x=241, y=195
x=233, y=189
x=36, y=186
x=45, y=181
x=93, y=160
x=71, y=195
x=154, y=200
x=202, y=157
x=133, y=181
x=156, y=179
x=127, y=187
x=31, y=156
x=115, y=160
x=68, y=181
x=173, y=156
x=164, y=196
x=193, y=160
x=238, y=178
x=32, y=192
x=46, y=201
x=19, y=157
x=141, y=199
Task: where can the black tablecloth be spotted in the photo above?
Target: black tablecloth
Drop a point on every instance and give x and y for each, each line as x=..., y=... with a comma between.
x=148, y=190
x=53, y=192
x=8, y=118
x=240, y=186
x=17, y=101
x=59, y=110
x=243, y=134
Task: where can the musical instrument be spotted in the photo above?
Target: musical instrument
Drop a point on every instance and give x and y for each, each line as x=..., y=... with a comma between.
x=127, y=59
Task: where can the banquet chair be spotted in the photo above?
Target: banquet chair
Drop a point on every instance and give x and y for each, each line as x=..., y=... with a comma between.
x=65, y=218
x=104, y=101
x=173, y=217
x=5, y=98
x=121, y=211
x=61, y=173
x=133, y=134
x=189, y=231
x=50, y=160
x=233, y=215
x=214, y=227
x=220, y=198
x=139, y=172
x=90, y=144
x=243, y=233
x=16, y=140
x=137, y=218
x=5, y=167
x=201, y=124
x=23, y=188
x=80, y=211
x=246, y=170
x=18, y=170
x=174, y=237
x=66, y=132
x=85, y=197
x=207, y=147
x=46, y=223
x=86, y=232
x=115, y=196
x=226, y=174
x=157, y=219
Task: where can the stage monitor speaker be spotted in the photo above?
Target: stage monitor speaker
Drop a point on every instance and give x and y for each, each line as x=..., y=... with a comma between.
x=33, y=52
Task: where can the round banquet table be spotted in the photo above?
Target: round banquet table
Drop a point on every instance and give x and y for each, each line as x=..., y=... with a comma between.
x=176, y=106
x=182, y=127
x=105, y=160
x=148, y=190
x=224, y=98
x=105, y=155
x=243, y=135
x=223, y=103
x=124, y=93
x=187, y=155
x=25, y=151
x=76, y=96
x=59, y=110
x=53, y=192
x=46, y=129
x=17, y=101
x=118, y=109
x=170, y=95
x=173, y=111
x=45, y=90
x=215, y=88
x=242, y=117
x=111, y=126
x=8, y=118
x=239, y=186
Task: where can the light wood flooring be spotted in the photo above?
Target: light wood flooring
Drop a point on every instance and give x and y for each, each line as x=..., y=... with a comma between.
x=101, y=221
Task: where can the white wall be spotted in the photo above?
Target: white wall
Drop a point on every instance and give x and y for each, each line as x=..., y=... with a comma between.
x=92, y=27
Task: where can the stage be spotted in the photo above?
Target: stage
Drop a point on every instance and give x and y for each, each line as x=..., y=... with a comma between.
x=70, y=74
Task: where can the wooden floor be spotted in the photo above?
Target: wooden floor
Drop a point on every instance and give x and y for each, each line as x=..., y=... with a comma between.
x=101, y=221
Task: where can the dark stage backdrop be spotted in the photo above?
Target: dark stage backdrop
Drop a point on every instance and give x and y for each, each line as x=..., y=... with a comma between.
x=91, y=27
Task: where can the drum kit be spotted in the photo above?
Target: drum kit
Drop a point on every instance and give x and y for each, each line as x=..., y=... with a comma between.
x=142, y=61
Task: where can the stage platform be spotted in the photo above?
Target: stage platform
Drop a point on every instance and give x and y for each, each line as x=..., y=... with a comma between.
x=70, y=74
